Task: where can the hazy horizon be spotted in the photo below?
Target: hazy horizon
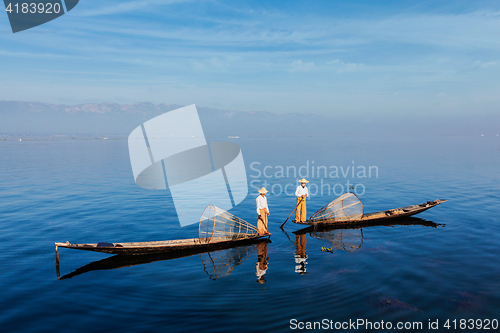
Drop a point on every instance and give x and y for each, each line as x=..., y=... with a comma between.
x=120, y=119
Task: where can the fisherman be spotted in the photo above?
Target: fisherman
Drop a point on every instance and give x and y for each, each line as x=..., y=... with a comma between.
x=263, y=211
x=301, y=193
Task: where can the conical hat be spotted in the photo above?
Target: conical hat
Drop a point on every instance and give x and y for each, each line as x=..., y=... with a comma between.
x=303, y=180
x=263, y=190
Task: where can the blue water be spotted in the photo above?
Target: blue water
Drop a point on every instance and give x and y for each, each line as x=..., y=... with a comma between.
x=82, y=190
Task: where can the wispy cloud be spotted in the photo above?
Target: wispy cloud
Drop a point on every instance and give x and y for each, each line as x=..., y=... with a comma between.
x=233, y=52
x=39, y=56
x=488, y=64
x=340, y=66
x=121, y=7
x=299, y=66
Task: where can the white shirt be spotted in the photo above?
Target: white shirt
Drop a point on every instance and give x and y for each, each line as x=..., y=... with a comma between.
x=300, y=191
x=261, y=203
x=259, y=272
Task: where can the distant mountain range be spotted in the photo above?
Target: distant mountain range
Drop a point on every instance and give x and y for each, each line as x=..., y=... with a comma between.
x=25, y=118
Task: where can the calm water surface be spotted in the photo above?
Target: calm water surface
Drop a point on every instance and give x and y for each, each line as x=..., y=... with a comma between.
x=444, y=264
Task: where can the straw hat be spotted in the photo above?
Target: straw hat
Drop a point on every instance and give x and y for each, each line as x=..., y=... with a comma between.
x=303, y=180
x=263, y=190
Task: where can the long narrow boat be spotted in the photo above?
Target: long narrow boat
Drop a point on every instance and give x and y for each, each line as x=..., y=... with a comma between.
x=401, y=221
x=347, y=209
x=196, y=244
x=217, y=229
x=121, y=261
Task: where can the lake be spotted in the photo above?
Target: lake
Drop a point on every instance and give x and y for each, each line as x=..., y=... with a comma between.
x=441, y=265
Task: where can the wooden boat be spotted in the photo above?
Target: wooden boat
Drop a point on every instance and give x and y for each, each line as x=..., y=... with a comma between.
x=373, y=217
x=196, y=244
x=122, y=261
x=401, y=221
x=217, y=229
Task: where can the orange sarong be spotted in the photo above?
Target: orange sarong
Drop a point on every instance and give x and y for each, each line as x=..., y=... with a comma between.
x=301, y=214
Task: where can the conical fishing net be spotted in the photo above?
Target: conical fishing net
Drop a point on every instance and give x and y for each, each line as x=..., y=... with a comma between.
x=347, y=207
x=218, y=225
x=343, y=239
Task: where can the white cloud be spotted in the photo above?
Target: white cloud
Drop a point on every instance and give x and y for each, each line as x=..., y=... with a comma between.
x=212, y=62
x=392, y=55
x=335, y=62
x=340, y=66
x=299, y=66
x=488, y=64
x=129, y=6
x=216, y=63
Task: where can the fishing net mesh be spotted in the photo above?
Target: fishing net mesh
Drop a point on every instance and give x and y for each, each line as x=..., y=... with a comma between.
x=347, y=207
x=216, y=223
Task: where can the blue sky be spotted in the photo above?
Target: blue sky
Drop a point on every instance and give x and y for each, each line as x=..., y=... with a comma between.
x=324, y=57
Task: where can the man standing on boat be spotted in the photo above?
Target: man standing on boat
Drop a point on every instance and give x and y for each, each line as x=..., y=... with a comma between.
x=301, y=193
x=263, y=211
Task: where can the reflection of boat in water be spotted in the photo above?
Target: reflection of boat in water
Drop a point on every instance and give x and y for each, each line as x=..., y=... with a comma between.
x=217, y=229
x=348, y=209
x=216, y=264
x=342, y=239
x=222, y=263
x=350, y=237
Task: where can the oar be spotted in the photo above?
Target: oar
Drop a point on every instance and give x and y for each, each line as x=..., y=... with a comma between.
x=288, y=237
x=292, y=212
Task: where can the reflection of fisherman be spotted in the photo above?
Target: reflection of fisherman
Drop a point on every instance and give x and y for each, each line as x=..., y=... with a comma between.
x=261, y=262
x=301, y=193
x=300, y=255
x=263, y=212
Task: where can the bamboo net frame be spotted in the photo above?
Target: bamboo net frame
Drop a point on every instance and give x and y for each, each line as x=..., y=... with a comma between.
x=216, y=223
x=347, y=207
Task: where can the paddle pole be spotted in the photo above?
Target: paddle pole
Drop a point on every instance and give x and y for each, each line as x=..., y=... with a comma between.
x=292, y=212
